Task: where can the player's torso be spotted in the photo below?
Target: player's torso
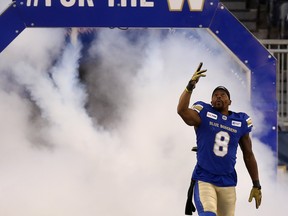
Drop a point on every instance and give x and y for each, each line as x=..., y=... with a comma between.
x=217, y=140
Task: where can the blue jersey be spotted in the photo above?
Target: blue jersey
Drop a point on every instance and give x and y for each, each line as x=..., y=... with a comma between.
x=218, y=136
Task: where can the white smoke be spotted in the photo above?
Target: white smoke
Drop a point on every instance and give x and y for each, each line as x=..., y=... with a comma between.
x=4, y=4
x=57, y=157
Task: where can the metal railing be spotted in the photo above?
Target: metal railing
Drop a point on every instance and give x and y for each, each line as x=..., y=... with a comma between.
x=279, y=49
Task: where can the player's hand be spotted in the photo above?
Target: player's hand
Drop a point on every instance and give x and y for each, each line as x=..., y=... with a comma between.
x=257, y=195
x=198, y=73
x=195, y=78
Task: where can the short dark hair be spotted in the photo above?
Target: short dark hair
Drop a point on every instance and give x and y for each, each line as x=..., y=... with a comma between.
x=222, y=88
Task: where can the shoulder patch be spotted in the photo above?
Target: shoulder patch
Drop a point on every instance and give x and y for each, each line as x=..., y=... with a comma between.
x=197, y=107
x=249, y=122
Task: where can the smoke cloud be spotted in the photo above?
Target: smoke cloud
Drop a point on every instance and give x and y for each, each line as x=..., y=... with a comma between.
x=93, y=129
x=4, y=5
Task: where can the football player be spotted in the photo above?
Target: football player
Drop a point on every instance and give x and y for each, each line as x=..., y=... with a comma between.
x=219, y=131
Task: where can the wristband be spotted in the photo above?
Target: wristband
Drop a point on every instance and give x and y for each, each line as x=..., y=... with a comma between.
x=256, y=184
x=190, y=86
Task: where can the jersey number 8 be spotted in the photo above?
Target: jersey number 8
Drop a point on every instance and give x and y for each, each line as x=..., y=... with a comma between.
x=222, y=139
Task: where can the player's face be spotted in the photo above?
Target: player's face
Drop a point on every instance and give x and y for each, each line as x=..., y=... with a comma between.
x=220, y=100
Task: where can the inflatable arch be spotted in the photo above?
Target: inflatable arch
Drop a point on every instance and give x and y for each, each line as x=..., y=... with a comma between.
x=209, y=14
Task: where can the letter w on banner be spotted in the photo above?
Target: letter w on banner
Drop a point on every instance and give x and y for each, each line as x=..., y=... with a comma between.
x=194, y=5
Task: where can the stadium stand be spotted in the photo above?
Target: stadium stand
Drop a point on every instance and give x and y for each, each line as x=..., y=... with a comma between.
x=266, y=19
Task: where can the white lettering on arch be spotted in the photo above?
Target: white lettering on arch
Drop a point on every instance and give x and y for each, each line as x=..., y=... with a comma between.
x=194, y=5
x=133, y=3
x=36, y=2
x=65, y=3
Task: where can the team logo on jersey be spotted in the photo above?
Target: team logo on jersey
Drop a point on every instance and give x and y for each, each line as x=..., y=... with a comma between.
x=212, y=115
x=224, y=117
x=236, y=123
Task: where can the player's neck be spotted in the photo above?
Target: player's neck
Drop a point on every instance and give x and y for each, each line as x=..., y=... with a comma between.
x=225, y=112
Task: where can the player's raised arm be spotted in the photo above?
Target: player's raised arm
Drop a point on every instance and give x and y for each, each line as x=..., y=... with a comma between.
x=190, y=116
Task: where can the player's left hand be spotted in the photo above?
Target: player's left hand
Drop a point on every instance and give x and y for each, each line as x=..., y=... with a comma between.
x=257, y=195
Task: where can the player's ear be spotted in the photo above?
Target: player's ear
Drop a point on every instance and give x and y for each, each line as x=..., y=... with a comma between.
x=230, y=102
